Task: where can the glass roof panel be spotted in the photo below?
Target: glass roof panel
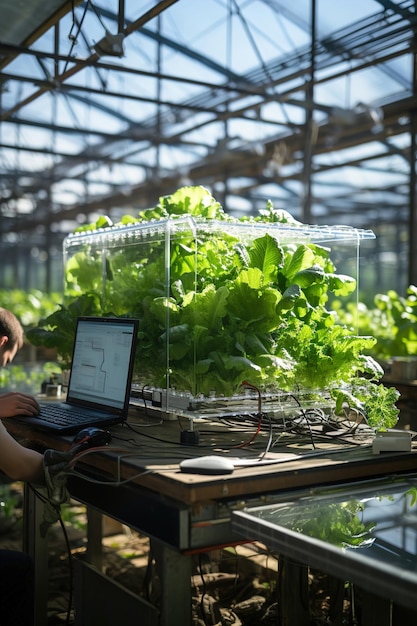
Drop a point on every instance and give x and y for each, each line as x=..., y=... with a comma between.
x=108, y=111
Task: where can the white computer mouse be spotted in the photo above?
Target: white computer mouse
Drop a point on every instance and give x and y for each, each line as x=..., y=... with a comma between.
x=211, y=464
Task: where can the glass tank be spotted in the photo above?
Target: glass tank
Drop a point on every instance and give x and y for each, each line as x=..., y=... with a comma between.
x=364, y=532
x=228, y=309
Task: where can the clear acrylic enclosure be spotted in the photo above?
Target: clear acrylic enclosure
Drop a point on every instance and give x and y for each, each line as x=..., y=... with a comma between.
x=226, y=308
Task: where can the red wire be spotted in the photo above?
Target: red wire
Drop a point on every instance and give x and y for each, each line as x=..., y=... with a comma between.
x=247, y=443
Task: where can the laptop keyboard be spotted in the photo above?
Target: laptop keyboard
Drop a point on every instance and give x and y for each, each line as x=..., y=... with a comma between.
x=56, y=415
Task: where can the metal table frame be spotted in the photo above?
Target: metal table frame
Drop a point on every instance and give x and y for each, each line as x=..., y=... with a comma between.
x=185, y=513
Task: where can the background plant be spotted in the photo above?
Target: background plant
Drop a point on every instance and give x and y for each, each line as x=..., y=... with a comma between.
x=29, y=306
x=392, y=321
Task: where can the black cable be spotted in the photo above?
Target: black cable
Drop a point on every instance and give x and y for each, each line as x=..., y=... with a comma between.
x=203, y=590
x=71, y=37
x=166, y=441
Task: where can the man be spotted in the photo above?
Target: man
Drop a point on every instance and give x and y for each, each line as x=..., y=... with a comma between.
x=11, y=340
x=18, y=463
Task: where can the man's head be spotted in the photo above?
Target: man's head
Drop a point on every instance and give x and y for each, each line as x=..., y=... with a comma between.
x=11, y=336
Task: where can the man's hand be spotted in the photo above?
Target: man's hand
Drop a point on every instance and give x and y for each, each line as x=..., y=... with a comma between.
x=14, y=403
x=55, y=465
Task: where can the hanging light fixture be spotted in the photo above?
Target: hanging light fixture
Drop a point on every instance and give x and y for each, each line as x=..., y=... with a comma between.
x=110, y=45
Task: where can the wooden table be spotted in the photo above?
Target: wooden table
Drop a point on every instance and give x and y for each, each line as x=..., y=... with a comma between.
x=137, y=481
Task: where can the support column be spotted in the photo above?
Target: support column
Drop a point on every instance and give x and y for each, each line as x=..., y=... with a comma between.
x=412, y=220
x=35, y=544
x=174, y=572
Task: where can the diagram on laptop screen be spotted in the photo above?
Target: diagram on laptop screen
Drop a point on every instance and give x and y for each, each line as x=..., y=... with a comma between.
x=100, y=363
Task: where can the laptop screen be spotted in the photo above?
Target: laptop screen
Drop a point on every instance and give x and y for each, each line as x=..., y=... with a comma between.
x=102, y=361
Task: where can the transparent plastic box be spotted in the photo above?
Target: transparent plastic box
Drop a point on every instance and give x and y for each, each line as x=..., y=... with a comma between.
x=212, y=298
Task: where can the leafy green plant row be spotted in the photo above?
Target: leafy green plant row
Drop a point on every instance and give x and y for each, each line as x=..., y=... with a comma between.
x=392, y=321
x=27, y=378
x=29, y=306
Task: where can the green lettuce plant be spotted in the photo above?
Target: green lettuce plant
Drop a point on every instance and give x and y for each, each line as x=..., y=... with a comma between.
x=235, y=310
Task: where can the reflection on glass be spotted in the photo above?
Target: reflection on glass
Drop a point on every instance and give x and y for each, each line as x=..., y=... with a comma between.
x=340, y=524
x=379, y=518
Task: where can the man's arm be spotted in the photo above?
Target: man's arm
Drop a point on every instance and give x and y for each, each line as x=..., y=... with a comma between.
x=18, y=462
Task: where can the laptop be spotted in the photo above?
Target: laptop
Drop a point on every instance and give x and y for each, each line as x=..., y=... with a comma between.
x=100, y=379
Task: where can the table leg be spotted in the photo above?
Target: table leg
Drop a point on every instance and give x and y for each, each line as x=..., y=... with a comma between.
x=35, y=544
x=95, y=537
x=293, y=599
x=174, y=572
x=374, y=610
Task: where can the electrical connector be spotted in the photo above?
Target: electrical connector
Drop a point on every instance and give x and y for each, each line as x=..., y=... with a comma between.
x=392, y=441
x=190, y=437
